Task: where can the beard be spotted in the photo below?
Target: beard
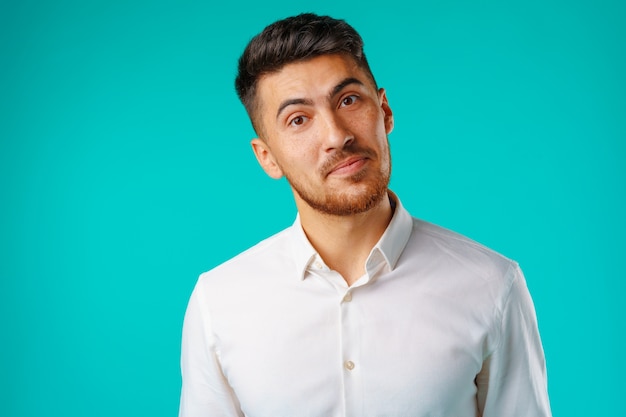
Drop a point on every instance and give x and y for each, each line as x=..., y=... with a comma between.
x=360, y=195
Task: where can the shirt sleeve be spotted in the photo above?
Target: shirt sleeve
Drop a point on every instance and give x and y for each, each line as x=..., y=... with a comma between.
x=513, y=380
x=205, y=391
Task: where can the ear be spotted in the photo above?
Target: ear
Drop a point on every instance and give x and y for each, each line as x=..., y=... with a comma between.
x=388, y=114
x=266, y=159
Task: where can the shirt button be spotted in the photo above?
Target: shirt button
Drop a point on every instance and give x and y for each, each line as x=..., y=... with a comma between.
x=318, y=264
x=349, y=365
x=348, y=297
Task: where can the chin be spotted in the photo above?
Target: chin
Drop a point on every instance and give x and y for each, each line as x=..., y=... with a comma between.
x=348, y=203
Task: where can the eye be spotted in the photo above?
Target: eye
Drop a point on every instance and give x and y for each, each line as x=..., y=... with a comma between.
x=349, y=100
x=297, y=121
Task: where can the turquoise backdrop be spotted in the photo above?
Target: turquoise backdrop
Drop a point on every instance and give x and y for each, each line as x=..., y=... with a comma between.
x=125, y=171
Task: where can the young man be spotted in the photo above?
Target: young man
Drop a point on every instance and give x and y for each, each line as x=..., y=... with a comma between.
x=358, y=309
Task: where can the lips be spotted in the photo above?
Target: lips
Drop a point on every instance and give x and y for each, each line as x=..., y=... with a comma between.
x=348, y=165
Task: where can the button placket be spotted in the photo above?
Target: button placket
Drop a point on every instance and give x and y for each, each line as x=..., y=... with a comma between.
x=350, y=350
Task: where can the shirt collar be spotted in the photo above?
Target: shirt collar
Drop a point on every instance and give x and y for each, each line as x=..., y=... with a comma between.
x=389, y=246
x=303, y=252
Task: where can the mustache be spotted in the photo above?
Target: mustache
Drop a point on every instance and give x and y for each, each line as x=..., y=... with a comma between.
x=344, y=154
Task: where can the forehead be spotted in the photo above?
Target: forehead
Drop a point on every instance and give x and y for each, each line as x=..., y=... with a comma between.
x=310, y=79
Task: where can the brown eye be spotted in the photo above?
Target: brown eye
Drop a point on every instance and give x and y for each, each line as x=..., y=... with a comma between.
x=348, y=101
x=297, y=121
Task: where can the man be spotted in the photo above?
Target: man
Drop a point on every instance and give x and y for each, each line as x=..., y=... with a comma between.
x=358, y=309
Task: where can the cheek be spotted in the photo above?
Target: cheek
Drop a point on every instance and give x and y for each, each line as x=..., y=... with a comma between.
x=370, y=121
x=299, y=156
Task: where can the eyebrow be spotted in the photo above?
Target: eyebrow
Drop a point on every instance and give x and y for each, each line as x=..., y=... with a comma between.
x=343, y=84
x=291, y=102
x=336, y=90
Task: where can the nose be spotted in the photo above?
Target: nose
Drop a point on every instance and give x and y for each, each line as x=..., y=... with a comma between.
x=337, y=134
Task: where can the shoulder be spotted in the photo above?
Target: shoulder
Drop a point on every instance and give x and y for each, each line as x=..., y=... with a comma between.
x=458, y=253
x=470, y=277
x=260, y=259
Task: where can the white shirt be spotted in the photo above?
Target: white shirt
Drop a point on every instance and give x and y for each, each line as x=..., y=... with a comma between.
x=438, y=326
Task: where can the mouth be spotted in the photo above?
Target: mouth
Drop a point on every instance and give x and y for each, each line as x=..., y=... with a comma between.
x=348, y=166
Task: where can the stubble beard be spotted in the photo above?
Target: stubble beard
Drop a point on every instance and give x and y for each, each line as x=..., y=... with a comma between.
x=350, y=202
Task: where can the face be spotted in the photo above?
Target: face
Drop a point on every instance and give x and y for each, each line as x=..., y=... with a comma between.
x=325, y=129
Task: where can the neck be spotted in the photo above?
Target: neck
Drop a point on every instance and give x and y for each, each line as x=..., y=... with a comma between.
x=345, y=242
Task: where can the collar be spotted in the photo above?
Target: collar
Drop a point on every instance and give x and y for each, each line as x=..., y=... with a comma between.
x=388, y=248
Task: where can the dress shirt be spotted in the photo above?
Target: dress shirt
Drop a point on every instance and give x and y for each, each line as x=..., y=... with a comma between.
x=438, y=326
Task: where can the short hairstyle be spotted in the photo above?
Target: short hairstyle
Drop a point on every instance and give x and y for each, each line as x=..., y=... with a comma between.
x=294, y=39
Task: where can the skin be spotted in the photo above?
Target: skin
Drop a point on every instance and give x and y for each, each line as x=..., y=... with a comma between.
x=325, y=128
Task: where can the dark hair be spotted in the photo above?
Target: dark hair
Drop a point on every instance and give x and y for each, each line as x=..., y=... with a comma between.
x=293, y=39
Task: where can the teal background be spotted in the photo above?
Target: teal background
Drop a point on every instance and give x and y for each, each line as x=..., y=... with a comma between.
x=125, y=171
